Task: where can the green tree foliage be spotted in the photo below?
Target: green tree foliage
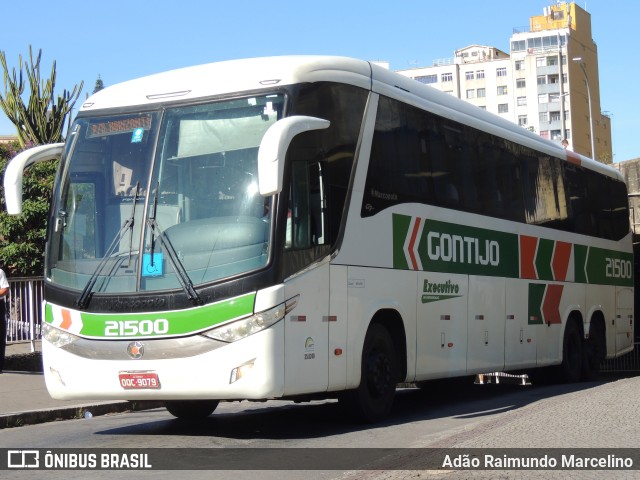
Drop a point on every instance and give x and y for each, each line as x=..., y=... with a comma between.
x=42, y=119
x=22, y=237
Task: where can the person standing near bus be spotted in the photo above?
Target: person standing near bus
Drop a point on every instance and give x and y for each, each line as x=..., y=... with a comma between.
x=4, y=292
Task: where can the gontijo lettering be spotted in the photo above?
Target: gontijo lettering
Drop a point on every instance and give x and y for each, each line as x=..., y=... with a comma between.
x=455, y=248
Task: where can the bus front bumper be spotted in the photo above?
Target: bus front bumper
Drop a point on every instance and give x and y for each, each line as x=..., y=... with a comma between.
x=251, y=368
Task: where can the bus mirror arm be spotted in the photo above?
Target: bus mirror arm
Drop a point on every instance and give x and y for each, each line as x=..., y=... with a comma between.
x=15, y=170
x=274, y=146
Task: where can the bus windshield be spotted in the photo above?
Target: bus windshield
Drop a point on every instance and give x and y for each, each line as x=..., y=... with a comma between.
x=151, y=201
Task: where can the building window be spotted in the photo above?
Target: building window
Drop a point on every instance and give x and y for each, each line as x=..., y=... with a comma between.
x=446, y=77
x=522, y=120
x=554, y=116
x=471, y=93
x=518, y=45
x=567, y=134
x=469, y=75
x=554, y=97
x=502, y=90
x=522, y=101
x=503, y=107
x=501, y=72
x=544, y=134
x=543, y=98
x=521, y=83
x=480, y=74
x=543, y=117
x=541, y=61
x=542, y=80
x=552, y=61
x=556, y=135
x=428, y=79
x=519, y=65
x=481, y=93
x=554, y=79
x=482, y=107
x=564, y=78
x=534, y=43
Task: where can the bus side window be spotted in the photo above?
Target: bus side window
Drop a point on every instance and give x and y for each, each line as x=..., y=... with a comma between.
x=306, y=213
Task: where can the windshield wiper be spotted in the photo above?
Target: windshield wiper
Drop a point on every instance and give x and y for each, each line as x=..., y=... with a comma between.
x=85, y=296
x=181, y=272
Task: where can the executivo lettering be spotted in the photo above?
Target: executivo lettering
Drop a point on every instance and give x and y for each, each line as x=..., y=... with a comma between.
x=433, y=292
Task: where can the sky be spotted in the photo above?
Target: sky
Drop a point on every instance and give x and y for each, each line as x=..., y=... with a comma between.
x=120, y=40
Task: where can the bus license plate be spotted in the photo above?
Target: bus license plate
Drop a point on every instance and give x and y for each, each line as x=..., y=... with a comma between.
x=139, y=380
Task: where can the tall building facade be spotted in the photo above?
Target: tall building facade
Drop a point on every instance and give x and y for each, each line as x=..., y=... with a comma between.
x=548, y=82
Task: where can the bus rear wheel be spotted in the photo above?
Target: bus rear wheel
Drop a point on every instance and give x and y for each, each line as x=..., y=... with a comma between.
x=373, y=398
x=191, y=409
x=572, y=359
x=595, y=351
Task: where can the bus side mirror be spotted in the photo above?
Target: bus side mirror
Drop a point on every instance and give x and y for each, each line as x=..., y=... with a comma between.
x=274, y=146
x=15, y=170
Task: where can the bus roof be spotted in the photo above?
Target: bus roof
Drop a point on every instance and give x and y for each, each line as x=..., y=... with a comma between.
x=231, y=76
x=255, y=74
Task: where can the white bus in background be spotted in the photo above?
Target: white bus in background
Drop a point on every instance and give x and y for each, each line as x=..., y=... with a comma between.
x=302, y=227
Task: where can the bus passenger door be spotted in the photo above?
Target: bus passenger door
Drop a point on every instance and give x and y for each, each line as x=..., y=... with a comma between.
x=441, y=325
x=307, y=267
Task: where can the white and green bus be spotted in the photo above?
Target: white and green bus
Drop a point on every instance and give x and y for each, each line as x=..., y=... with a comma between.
x=303, y=227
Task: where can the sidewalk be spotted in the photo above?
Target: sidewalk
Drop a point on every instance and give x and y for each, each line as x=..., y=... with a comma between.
x=24, y=399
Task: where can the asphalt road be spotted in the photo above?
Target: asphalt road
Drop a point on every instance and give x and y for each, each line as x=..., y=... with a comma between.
x=448, y=415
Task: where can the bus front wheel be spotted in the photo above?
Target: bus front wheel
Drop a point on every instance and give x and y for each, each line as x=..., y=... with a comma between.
x=191, y=409
x=373, y=398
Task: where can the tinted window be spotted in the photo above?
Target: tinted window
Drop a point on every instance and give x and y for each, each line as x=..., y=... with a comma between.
x=419, y=157
x=320, y=164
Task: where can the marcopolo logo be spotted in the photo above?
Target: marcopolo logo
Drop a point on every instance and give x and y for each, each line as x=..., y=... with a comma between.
x=433, y=292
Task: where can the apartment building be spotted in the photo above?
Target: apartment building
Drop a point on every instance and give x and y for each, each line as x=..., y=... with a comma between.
x=548, y=82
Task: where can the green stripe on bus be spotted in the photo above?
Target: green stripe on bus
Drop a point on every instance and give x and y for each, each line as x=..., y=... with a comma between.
x=580, y=260
x=608, y=267
x=451, y=248
x=543, y=259
x=536, y=296
x=174, y=323
x=401, y=225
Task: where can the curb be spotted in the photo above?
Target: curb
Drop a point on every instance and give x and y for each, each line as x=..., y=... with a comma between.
x=32, y=362
x=24, y=362
x=20, y=419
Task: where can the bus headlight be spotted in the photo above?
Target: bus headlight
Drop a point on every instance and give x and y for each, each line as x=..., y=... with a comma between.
x=234, y=331
x=56, y=337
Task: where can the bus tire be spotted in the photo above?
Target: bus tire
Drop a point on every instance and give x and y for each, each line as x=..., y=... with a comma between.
x=373, y=399
x=595, y=351
x=572, y=358
x=191, y=409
